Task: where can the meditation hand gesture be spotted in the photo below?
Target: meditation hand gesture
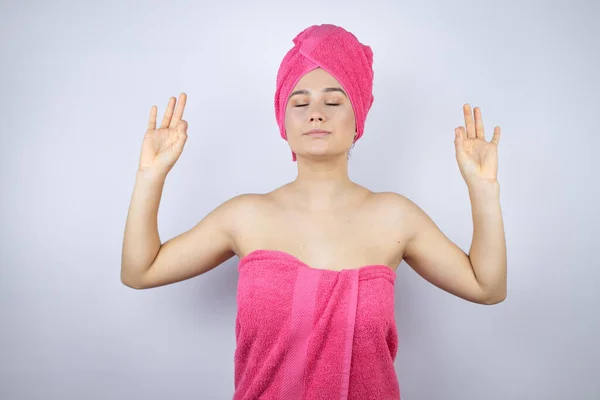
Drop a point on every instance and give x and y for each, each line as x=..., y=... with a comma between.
x=477, y=159
x=162, y=147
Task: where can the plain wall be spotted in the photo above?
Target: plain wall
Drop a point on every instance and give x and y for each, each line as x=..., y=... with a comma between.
x=77, y=83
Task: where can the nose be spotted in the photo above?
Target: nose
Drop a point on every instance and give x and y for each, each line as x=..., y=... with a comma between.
x=317, y=115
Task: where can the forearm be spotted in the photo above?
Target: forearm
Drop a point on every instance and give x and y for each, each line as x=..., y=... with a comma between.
x=141, y=241
x=488, y=247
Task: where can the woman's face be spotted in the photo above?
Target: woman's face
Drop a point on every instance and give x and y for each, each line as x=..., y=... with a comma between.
x=318, y=101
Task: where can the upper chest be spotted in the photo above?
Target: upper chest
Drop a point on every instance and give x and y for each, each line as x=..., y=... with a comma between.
x=346, y=238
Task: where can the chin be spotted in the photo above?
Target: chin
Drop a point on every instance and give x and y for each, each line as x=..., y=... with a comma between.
x=315, y=154
x=319, y=153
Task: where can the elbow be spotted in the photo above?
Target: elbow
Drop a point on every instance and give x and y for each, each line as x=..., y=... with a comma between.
x=493, y=294
x=131, y=285
x=131, y=282
x=494, y=298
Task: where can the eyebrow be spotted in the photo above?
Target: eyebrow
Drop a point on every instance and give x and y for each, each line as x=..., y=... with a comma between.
x=329, y=89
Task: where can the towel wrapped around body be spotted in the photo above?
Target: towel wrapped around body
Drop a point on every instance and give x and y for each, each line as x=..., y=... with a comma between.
x=307, y=333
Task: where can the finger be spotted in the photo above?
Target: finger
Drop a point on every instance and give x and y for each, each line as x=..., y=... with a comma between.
x=168, y=113
x=479, y=124
x=152, y=120
x=469, y=121
x=459, y=138
x=179, y=110
x=496, y=136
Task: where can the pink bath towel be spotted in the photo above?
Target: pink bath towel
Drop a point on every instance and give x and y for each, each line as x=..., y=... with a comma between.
x=307, y=333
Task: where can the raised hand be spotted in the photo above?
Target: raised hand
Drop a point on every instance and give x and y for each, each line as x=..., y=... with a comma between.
x=477, y=159
x=162, y=147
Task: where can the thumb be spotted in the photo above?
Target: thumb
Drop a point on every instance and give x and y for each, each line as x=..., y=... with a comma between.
x=182, y=126
x=182, y=131
x=181, y=135
x=459, y=138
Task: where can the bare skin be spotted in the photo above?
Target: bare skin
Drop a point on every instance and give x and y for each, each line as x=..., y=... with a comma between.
x=322, y=218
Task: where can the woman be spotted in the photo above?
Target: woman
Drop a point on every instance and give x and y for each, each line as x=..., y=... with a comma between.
x=318, y=255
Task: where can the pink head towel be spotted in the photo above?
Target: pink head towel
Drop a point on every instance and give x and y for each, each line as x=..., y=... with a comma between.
x=338, y=52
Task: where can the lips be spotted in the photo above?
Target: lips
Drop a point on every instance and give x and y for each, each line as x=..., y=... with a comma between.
x=317, y=132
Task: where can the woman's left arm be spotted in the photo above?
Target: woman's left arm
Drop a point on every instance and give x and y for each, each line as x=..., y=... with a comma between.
x=479, y=276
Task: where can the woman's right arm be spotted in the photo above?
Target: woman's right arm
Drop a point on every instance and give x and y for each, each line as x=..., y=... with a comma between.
x=145, y=262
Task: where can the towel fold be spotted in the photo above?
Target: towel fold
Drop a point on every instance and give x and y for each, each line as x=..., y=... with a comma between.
x=338, y=52
x=307, y=333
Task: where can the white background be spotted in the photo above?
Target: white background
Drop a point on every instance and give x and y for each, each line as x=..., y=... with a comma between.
x=78, y=80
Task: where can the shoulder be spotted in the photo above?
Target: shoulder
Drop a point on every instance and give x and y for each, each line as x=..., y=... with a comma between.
x=232, y=215
x=393, y=203
x=398, y=210
x=250, y=206
x=245, y=210
x=243, y=204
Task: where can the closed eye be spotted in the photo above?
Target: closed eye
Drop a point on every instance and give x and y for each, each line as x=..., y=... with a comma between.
x=327, y=104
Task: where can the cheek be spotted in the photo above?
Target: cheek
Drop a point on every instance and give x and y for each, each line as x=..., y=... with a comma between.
x=291, y=116
x=293, y=121
x=346, y=116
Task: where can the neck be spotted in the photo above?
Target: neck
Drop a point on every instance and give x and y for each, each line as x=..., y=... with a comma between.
x=322, y=185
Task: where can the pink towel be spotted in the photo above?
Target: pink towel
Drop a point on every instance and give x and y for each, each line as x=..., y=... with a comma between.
x=338, y=52
x=306, y=333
